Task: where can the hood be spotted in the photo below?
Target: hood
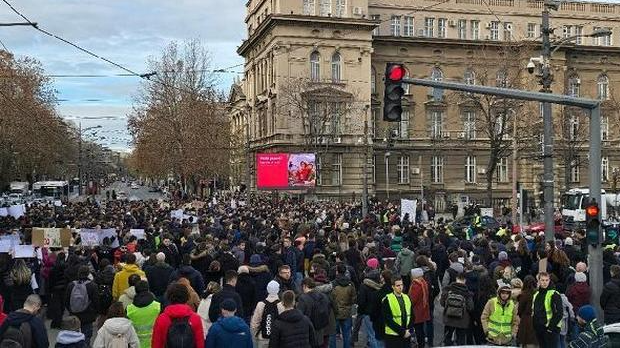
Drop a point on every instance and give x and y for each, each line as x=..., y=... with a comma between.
x=131, y=268
x=143, y=299
x=18, y=317
x=109, y=269
x=130, y=292
x=178, y=310
x=342, y=281
x=406, y=252
x=117, y=326
x=317, y=257
x=459, y=287
x=581, y=288
x=69, y=337
x=232, y=324
x=259, y=269
x=372, y=284
x=291, y=316
x=187, y=271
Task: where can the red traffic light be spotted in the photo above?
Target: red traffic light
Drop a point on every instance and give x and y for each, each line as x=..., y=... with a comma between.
x=592, y=210
x=396, y=72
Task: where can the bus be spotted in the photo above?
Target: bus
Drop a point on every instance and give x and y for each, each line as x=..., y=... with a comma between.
x=51, y=190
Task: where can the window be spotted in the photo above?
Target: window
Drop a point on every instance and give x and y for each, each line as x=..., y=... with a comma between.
x=501, y=172
x=531, y=30
x=341, y=8
x=470, y=169
x=603, y=40
x=337, y=170
x=319, y=171
x=336, y=67
x=602, y=87
x=336, y=113
x=403, y=169
x=441, y=27
x=373, y=80
x=373, y=166
x=326, y=7
x=309, y=7
x=429, y=27
x=578, y=34
x=604, y=128
x=469, y=77
x=566, y=31
x=573, y=128
x=475, y=30
x=495, y=31
x=436, y=75
x=574, y=171
x=501, y=79
x=376, y=115
x=573, y=86
x=462, y=29
x=436, y=119
x=403, y=125
x=375, y=18
x=395, y=26
x=315, y=66
x=604, y=168
x=437, y=169
x=408, y=27
x=469, y=124
x=508, y=31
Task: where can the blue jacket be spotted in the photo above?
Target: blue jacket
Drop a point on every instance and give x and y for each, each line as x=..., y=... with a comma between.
x=229, y=332
x=70, y=339
x=591, y=336
x=39, y=334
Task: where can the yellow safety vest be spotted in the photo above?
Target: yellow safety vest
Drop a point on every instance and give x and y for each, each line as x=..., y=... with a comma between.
x=500, y=321
x=396, y=313
x=501, y=232
x=477, y=221
x=548, y=309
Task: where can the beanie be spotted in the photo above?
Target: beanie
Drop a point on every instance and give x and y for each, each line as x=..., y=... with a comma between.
x=580, y=277
x=502, y=256
x=273, y=288
x=229, y=305
x=417, y=273
x=568, y=241
x=372, y=263
x=141, y=286
x=587, y=313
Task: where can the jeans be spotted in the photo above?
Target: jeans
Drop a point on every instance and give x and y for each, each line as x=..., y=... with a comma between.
x=420, y=334
x=87, y=330
x=547, y=339
x=370, y=332
x=343, y=326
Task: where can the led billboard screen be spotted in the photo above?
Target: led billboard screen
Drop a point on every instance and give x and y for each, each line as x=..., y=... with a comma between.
x=285, y=171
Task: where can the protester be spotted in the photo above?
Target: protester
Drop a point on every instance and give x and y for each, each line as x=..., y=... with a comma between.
x=228, y=292
x=547, y=313
x=398, y=315
x=343, y=297
x=158, y=276
x=315, y=306
x=69, y=335
x=265, y=315
x=178, y=326
x=458, y=304
x=420, y=299
x=500, y=321
x=592, y=334
x=292, y=329
x=610, y=298
x=205, y=304
x=117, y=330
x=229, y=330
x=81, y=300
x=23, y=327
x=142, y=312
x=121, y=279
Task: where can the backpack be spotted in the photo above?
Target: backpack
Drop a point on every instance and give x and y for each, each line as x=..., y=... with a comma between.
x=17, y=337
x=319, y=315
x=79, y=300
x=270, y=313
x=105, y=298
x=180, y=334
x=119, y=341
x=455, y=305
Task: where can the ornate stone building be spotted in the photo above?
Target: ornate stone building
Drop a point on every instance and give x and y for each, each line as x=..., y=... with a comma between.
x=314, y=72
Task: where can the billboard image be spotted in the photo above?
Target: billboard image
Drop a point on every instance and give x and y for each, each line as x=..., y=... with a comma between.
x=285, y=171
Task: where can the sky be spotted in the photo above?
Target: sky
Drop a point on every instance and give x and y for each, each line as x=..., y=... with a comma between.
x=126, y=32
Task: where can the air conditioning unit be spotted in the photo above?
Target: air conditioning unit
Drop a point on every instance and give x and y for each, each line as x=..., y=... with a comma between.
x=461, y=135
x=337, y=140
x=452, y=23
x=482, y=170
x=488, y=26
x=415, y=171
x=357, y=11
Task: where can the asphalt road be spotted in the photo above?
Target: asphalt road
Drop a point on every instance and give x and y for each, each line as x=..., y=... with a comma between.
x=141, y=193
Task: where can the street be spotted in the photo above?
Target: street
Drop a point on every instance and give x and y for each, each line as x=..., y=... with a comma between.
x=141, y=193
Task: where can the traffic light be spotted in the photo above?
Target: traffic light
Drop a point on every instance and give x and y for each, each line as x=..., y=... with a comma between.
x=593, y=223
x=392, y=100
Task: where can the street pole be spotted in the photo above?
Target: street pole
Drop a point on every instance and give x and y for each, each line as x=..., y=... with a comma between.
x=248, y=158
x=514, y=173
x=546, y=80
x=80, y=160
x=595, y=253
x=387, y=174
x=365, y=188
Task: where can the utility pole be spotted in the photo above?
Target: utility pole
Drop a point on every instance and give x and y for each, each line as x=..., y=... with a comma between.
x=248, y=158
x=365, y=188
x=80, y=160
x=515, y=201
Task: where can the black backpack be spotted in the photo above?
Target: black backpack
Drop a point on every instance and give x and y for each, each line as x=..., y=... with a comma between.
x=455, y=305
x=15, y=337
x=180, y=334
x=105, y=298
x=270, y=313
x=319, y=315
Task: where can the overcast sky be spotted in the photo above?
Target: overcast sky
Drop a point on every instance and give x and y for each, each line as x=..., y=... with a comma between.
x=126, y=32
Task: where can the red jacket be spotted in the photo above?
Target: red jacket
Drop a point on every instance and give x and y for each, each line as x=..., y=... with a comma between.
x=578, y=295
x=420, y=299
x=163, y=321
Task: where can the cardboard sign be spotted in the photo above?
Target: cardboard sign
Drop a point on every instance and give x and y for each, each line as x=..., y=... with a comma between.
x=408, y=206
x=138, y=233
x=486, y=212
x=51, y=237
x=24, y=252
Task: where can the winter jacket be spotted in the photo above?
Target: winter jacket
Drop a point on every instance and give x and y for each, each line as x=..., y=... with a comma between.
x=142, y=312
x=592, y=336
x=158, y=276
x=343, y=297
x=164, y=320
x=366, y=295
x=286, y=284
x=228, y=292
x=488, y=311
x=121, y=279
x=465, y=320
x=228, y=262
x=610, y=301
x=37, y=327
x=70, y=339
x=90, y=314
x=307, y=303
x=257, y=316
x=106, y=276
x=539, y=314
x=261, y=277
x=127, y=297
x=194, y=277
x=246, y=288
x=112, y=328
x=203, y=312
x=526, y=333
x=378, y=322
x=578, y=295
x=292, y=329
x=420, y=300
x=173, y=258
x=405, y=261
x=229, y=332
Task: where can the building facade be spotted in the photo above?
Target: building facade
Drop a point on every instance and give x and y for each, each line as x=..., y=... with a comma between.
x=314, y=82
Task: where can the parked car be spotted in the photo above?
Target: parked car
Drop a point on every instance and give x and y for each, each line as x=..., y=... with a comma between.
x=612, y=331
x=464, y=222
x=134, y=186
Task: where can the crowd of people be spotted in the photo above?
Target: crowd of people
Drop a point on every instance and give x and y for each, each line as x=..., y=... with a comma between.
x=284, y=273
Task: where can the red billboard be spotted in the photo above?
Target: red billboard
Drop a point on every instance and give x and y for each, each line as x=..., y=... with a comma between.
x=285, y=171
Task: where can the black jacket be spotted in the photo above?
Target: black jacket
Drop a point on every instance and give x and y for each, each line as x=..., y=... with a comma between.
x=539, y=314
x=228, y=262
x=228, y=292
x=261, y=277
x=37, y=327
x=246, y=288
x=158, y=277
x=610, y=301
x=90, y=314
x=292, y=329
x=366, y=295
x=194, y=277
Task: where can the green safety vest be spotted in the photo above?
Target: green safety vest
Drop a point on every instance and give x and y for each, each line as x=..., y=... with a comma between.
x=143, y=319
x=548, y=309
x=501, y=232
x=500, y=321
x=396, y=313
x=477, y=221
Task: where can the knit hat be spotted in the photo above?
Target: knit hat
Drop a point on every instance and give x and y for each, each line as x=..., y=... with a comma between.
x=70, y=323
x=161, y=257
x=568, y=241
x=587, y=313
x=417, y=273
x=580, y=277
x=372, y=263
x=273, y=288
x=228, y=305
x=502, y=256
x=255, y=260
x=243, y=269
x=142, y=286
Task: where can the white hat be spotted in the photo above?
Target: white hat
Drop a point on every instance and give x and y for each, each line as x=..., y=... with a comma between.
x=273, y=288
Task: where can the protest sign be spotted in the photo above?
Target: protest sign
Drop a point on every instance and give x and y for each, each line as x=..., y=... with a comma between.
x=89, y=237
x=24, y=251
x=4, y=212
x=17, y=211
x=177, y=214
x=486, y=212
x=5, y=246
x=109, y=232
x=138, y=233
x=408, y=206
x=51, y=237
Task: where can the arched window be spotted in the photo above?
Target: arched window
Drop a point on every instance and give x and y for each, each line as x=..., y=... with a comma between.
x=573, y=86
x=315, y=66
x=336, y=67
x=602, y=87
x=469, y=77
x=501, y=79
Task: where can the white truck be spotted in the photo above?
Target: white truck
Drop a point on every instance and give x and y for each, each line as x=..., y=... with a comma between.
x=574, y=203
x=20, y=187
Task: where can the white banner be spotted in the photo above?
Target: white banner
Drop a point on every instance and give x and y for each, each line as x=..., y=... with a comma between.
x=408, y=206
